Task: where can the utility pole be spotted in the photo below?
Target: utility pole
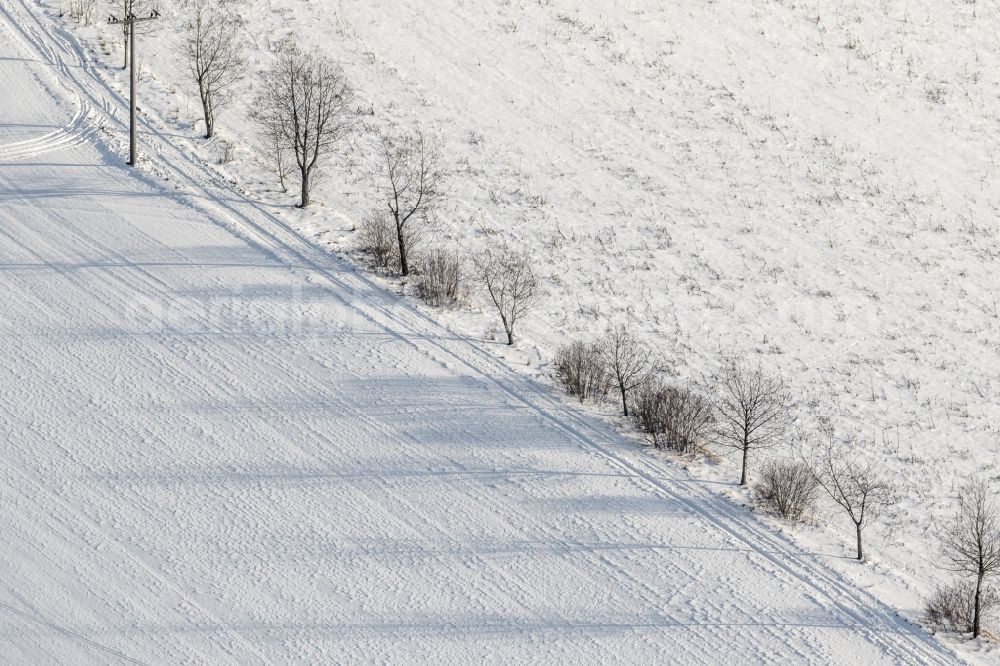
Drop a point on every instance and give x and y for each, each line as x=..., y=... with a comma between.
x=130, y=20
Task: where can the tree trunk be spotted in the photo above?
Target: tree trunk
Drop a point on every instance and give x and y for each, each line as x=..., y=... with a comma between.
x=976, y=628
x=305, y=189
x=743, y=471
x=624, y=401
x=209, y=121
x=861, y=552
x=510, y=337
x=125, y=65
x=404, y=266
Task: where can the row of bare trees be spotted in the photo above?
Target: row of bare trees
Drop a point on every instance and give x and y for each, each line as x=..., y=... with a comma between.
x=742, y=409
x=745, y=410
x=304, y=109
x=304, y=104
x=750, y=410
x=857, y=486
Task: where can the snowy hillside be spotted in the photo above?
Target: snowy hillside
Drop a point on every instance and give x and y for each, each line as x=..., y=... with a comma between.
x=321, y=471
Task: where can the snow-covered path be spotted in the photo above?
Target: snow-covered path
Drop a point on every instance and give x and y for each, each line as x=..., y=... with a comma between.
x=221, y=445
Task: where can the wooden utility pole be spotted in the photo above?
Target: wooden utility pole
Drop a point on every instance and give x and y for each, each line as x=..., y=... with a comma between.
x=130, y=20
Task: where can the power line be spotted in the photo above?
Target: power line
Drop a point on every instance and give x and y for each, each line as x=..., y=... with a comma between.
x=130, y=20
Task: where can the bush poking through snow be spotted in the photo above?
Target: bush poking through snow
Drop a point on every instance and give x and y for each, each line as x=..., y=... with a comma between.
x=441, y=277
x=378, y=238
x=647, y=410
x=952, y=607
x=788, y=489
x=672, y=417
x=511, y=283
x=580, y=369
x=689, y=419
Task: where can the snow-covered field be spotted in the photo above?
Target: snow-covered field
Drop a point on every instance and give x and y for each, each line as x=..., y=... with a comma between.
x=225, y=445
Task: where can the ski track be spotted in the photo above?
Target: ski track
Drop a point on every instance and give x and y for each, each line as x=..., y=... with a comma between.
x=402, y=334
x=77, y=131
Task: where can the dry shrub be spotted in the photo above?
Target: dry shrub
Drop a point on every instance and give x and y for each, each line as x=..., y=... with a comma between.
x=788, y=489
x=441, y=277
x=952, y=607
x=378, y=238
x=673, y=417
x=580, y=369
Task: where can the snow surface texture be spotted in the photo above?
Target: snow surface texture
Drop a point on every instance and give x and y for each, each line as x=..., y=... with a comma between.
x=808, y=184
x=223, y=445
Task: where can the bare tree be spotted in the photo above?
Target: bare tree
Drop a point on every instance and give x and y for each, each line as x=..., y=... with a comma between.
x=972, y=544
x=629, y=362
x=214, y=51
x=414, y=184
x=752, y=411
x=82, y=10
x=856, y=486
x=304, y=105
x=276, y=155
x=511, y=283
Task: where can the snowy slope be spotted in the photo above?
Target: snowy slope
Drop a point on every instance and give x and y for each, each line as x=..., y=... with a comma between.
x=223, y=445
x=810, y=184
